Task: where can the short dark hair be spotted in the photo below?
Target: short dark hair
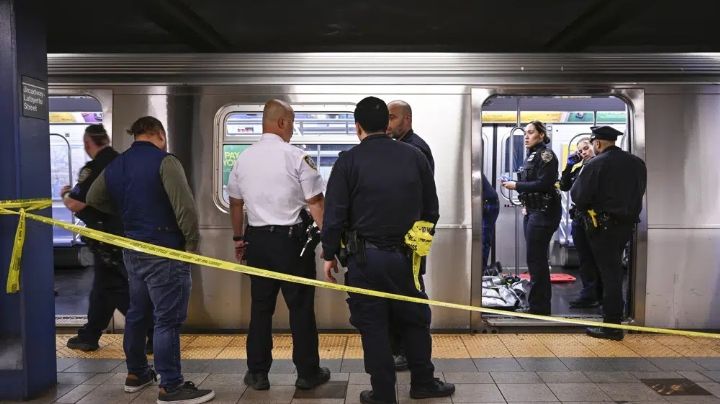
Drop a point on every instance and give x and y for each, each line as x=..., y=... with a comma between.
x=98, y=135
x=146, y=125
x=540, y=127
x=372, y=114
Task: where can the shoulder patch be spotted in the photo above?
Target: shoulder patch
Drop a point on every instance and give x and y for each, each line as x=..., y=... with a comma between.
x=546, y=155
x=84, y=174
x=310, y=162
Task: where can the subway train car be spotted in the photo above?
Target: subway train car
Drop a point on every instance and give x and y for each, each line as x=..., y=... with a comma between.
x=470, y=109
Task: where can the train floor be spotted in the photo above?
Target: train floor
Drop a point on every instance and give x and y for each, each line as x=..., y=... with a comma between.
x=497, y=368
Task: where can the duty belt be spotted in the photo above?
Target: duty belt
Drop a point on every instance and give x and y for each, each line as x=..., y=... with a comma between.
x=291, y=231
x=538, y=200
x=602, y=220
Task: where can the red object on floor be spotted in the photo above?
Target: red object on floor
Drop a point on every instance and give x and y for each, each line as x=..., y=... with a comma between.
x=554, y=278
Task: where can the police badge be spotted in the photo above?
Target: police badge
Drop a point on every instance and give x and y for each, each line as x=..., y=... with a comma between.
x=310, y=162
x=84, y=174
x=546, y=155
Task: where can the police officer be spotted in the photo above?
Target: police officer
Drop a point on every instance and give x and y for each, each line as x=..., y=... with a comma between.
x=276, y=181
x=110, y=285
x=376, y=192
x=608, y=195
x=589, y=274
x=541, y=199
x=147, y=187
x=400, y=128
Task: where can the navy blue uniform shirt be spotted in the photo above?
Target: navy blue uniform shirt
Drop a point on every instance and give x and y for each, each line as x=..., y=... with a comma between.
x=413, y=139
x=613, y=182
x=378, y=188
x=88, y=174
x=539, y=173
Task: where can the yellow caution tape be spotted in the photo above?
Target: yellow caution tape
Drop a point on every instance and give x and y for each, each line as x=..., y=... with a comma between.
x=419, y=240
x=248, y=270
x=13, y=280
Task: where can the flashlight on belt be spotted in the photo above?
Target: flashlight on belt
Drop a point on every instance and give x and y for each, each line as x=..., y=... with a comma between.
x=313, y=238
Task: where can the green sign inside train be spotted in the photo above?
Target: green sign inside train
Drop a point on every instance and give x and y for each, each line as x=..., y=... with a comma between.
x=230, y=154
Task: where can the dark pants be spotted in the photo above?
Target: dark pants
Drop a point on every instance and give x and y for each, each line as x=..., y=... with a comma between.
x=390, y=271
x=159, y=289
x=491, y=210
x=109, y=292
x=539, y=228
x=607, y=246
x=280, y=253
x=589, y=273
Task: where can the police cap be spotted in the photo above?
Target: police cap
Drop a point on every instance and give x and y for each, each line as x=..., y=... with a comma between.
x=604, y=133
x=372, y=114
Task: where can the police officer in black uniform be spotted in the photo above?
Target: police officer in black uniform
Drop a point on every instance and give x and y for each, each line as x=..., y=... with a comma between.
x=591, y=291
x=608, y=195
x=110, y=284
x=541, y=199
x=400, y=128
x=376, y=192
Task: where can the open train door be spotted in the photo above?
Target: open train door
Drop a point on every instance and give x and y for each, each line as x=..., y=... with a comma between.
x=499, y=119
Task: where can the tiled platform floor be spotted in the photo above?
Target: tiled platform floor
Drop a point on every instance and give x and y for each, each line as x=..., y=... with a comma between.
x=348, y=346
x=504, y=368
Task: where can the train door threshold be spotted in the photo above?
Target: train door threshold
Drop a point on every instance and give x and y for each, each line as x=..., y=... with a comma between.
x=509, y=321
x=70, y=320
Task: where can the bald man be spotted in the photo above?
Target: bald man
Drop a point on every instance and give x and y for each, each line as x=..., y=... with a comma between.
x=276, y=182
x=400, y=128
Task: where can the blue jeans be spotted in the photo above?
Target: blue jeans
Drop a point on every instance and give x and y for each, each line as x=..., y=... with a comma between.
x=159, y=289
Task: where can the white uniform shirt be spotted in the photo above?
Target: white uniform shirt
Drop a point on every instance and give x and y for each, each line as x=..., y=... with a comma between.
x=274, y=179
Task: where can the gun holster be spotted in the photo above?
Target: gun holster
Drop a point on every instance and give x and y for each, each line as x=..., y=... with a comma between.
x=355, y=246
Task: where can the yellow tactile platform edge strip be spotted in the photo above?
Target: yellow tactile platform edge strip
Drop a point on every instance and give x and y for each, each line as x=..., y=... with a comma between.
x=450, y=346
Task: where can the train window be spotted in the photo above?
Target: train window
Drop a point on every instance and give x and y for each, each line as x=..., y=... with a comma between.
x=322, y=131
x=69, y=116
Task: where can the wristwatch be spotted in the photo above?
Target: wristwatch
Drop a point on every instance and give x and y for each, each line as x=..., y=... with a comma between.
x=238, y=238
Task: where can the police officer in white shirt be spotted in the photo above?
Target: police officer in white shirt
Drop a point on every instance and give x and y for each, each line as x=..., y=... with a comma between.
x=276, y=181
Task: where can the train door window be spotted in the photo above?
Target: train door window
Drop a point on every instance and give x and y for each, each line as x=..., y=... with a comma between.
x=568, y=119
x=322, y=131
x=69, y=116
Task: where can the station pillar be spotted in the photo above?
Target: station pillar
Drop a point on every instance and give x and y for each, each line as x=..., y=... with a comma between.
x=27, y=318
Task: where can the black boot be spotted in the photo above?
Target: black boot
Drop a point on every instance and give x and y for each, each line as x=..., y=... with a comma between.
x=257, y=381
x=605, y=333
x=435, y=389
x=400, y=362
x=77, y=342
x=367, y=397
x=306, y=383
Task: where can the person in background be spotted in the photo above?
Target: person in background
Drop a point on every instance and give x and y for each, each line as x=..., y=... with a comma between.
x=110, y=283
x=589, y=276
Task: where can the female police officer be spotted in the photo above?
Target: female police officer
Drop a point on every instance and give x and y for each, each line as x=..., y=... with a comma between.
x=541, y=199
x=591, y=291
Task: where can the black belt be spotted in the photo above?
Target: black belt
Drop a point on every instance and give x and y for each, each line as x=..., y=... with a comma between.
x=398, y=248
x=289, y=230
